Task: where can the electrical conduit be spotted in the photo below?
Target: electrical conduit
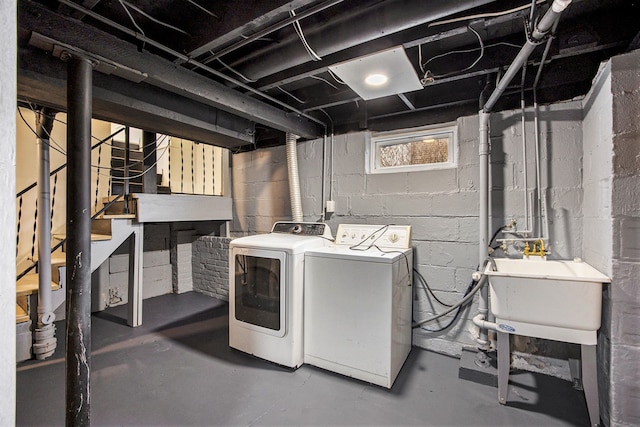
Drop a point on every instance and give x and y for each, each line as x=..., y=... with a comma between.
x=294, y=179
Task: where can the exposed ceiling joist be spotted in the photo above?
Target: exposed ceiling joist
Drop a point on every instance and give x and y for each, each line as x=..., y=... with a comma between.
x=161, y=73
x=42, y=80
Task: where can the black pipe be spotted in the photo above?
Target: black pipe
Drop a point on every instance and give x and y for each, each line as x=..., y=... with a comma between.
x=127, y=151
x=149, y=152
x=78, y=304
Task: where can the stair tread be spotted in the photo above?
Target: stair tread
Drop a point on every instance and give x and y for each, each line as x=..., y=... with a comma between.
x=118, y=216
x=95, y=237
x=21, y=314
x=28, y=285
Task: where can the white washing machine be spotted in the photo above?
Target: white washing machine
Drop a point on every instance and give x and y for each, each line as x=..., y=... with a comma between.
x=358, y=303
x=266, y=274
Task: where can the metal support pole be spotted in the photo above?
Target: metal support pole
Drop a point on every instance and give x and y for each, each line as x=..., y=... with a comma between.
x=45, y=340
x=78, y=351
x=149, y=152
x=127, y=148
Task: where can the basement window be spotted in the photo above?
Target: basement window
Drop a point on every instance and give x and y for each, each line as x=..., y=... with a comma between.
x=411, y=150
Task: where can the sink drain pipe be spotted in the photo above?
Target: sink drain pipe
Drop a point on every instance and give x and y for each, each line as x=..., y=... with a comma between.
x=294, y=179
x=536, y=37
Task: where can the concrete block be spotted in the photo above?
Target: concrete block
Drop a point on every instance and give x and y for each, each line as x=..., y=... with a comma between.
x=366, y=205
x=568, y=201
x=468, y=177
x=350, y=184
x=625, y=393
x=624, y=277
x=464, y=203
x=156, y=258
x=468, y=152
x=405, y=205
x=386, y=183
x=468, y=129
x=563, y=173
x=24, y=341
x=467, y=229
x=430, y=228
x=626, y=111
x=118, y=263
x=157, y=281
x=438, y=278
x=630, y=239
x=446, y=254
x=433, y=181
x=626, y=196
x=625, y=154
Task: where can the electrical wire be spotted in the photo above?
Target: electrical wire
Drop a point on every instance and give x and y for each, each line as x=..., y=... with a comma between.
x=473, y=287
x=332, y=74
x=480, y=56
x=135, y=24
x=36, y=134
x=460, y=303
x=324, y=80
x=238, y=73
x=467, y=51
x=303, y=39
x=61, y=151
x=203, y=9
x=157, y=21
x=484, y=15
x=428, y=288
x=291, y=95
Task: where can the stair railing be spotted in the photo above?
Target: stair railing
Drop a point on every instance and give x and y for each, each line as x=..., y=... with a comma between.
x=21, y=194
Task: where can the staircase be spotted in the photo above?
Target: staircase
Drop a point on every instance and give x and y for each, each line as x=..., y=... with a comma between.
x=108, y=232
x=136, y=167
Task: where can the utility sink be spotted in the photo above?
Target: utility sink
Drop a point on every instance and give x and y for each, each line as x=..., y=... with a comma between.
x=558, y=300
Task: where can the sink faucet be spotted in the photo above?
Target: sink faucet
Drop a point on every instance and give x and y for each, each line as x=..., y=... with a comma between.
x=537, y=250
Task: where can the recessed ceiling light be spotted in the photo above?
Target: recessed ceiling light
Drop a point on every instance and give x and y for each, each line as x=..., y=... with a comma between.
x=384, y=73
x=376, y=79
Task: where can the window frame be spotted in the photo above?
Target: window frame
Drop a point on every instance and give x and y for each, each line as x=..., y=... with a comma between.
x=376, y=139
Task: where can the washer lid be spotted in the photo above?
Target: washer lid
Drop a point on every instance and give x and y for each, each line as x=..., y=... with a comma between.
x=370, y=255
x=287, y=242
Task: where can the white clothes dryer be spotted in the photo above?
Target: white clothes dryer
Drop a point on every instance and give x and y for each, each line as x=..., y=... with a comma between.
x=358, y=303
x=266, y=284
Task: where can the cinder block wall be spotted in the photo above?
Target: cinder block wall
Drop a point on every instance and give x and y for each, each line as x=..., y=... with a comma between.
x=440, y=205
x=612, y=216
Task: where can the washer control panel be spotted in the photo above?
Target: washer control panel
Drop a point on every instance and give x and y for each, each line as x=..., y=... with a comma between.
x=366, y=235
x=302, y=228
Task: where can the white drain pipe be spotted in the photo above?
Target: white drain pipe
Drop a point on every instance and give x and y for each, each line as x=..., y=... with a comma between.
x=45, y=340
x=542, y=28
x=294, y=179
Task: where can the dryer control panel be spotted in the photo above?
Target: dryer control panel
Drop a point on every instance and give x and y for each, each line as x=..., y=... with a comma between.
x=367, y=235
x=302, y=228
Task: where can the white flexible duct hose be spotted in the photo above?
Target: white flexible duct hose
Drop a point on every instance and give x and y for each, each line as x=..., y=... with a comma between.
x=294, y=179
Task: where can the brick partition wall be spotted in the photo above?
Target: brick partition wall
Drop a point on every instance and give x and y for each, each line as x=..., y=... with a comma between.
x=210, y=265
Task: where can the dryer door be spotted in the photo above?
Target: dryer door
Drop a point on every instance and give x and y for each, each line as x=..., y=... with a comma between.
x=258, y=285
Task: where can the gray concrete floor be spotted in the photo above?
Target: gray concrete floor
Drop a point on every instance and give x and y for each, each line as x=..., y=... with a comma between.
x=177, y=369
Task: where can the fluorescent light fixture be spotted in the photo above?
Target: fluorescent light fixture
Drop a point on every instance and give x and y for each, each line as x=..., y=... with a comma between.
x=384, y=73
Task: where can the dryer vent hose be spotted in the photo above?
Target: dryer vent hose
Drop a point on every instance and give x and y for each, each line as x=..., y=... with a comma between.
x=294, y=179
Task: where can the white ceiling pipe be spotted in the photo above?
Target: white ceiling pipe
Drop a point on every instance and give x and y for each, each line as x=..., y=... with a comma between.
x=542, y=28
